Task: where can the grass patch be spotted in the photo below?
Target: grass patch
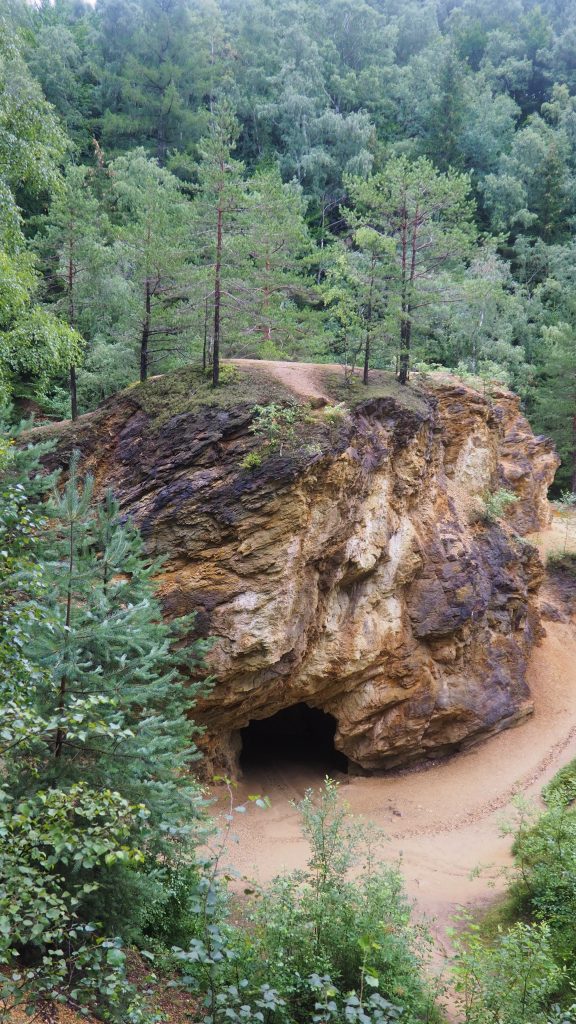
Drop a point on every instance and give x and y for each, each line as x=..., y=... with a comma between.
x=382, y=384
x=499, y=917
x=189, y=390
x=563, y=562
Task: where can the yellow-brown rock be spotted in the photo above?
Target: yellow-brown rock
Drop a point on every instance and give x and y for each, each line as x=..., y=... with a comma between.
x=358, y=575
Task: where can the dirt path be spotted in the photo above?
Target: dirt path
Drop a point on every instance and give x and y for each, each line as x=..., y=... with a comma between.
x=302, y=378
x=442, y=822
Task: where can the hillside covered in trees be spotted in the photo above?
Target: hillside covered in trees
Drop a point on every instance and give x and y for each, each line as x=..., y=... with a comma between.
x=388, y=182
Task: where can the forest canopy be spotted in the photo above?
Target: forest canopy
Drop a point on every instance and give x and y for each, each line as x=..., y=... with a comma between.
x=189, y=179
x=384, y=184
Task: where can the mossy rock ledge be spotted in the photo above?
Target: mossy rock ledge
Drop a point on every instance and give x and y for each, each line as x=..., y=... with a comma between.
x=352, y=571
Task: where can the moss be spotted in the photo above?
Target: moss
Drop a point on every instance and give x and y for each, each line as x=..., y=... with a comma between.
x=185, y=391
x=382, y=384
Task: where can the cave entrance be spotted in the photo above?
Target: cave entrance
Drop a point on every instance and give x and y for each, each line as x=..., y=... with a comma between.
x=298, y=736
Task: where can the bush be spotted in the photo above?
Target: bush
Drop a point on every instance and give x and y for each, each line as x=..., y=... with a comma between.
x=251, y=461
x=277, y=425
x=334, y=414
x=562, y=788
x=562, y=561
x=322, y=946
x=510, y=981
x=496, y=504
x=545, y=858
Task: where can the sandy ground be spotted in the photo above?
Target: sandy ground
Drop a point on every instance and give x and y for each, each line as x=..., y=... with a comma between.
x=444, y=822
x=302, y=378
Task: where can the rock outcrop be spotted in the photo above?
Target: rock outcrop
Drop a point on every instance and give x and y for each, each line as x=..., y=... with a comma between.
x=358, y=575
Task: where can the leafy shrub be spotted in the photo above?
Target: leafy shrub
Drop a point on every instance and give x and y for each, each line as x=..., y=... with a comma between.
x=51, y=847
x=545, y=858
x=277, y=424
x=562, y=561
x=562, y=788
x=496, y=504
x=251, y=461
x=334, y=414
x=323, y=946
x=510, y=981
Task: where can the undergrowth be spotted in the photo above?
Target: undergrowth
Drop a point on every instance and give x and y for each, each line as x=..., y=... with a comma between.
x=316, y=945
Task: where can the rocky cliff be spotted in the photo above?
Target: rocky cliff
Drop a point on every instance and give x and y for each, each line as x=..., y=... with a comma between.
x=356, y=571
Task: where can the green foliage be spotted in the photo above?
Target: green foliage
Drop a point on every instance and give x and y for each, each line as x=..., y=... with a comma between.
x=97, y=809
x=562, y=788
x=422, y=221
x=152, y=249
x=562, y=561
x=277, y=425
x=335, y=414
x=251, y=461
x=496, y=504
x=556, y=395
x=543, y=881
x=509, y=982
x=318, y=942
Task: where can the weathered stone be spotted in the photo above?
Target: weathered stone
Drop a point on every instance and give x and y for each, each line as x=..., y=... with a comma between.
x=357, y=581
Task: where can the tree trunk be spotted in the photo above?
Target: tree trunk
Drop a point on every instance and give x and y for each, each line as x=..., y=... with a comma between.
x=205, y=345
x=217, y=303
x=73, y=393
x=404, y=352
x=405, y=339
x=369, y=326
x=145, y=337
x=574, y=454
x=71, y=321
x=408, y=277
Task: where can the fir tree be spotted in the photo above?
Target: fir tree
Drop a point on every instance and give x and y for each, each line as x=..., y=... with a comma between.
x=113, y=684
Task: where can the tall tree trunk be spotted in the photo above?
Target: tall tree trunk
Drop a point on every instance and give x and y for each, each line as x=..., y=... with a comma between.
x=408, y=277
x=405, y=340
x=205, y=345
x=217, y=303
x=369, y=326
x=145, y=337
x=71, y=321
x=574, y=454
x=73, y=393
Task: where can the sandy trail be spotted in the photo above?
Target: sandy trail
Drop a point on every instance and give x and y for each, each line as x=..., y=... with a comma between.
x=303, y=379
x=443, y=822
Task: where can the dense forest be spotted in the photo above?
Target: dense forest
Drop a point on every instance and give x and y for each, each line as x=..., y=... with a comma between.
x=392, y=183
x=385, y=184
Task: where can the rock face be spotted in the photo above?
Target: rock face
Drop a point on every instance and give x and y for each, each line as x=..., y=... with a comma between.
x=362, y=579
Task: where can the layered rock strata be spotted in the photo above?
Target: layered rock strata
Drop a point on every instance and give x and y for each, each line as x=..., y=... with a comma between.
x=359, y=576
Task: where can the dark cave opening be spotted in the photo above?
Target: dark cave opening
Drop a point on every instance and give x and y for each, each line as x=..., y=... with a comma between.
x=298, y=735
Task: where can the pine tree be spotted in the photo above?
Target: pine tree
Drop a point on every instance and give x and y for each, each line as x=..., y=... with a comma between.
x=428, y=217
x=152, y=254
x=555, y=398
x=73, y=247
x=219, y=216
x=272, y=251
x=56, y=842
